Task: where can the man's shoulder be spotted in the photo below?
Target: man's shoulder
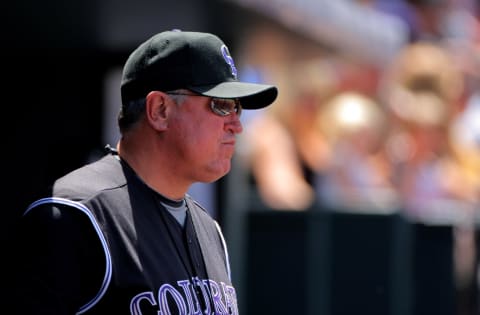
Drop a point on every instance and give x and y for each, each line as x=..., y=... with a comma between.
x=103, y=174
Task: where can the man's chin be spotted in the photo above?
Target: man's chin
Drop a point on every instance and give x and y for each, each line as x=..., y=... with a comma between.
x=219, y=172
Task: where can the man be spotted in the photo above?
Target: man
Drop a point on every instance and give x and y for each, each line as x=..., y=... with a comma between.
x=121, y=235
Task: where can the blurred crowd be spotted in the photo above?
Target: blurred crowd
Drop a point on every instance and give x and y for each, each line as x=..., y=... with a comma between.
x=404, y=137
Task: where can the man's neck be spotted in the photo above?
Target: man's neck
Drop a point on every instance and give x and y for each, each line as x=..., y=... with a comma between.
x=153, y=170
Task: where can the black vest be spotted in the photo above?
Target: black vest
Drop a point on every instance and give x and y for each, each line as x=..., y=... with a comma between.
x=150, y=266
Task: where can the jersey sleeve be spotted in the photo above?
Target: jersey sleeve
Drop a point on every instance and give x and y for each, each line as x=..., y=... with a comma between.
x=59, y=260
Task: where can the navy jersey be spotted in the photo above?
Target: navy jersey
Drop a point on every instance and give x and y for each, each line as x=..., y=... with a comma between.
x=103, y=243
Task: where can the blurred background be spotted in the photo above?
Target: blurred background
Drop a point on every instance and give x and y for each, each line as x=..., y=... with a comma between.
x=357, y=192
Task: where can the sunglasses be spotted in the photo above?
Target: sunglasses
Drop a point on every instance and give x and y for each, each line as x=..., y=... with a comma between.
x=220, y=106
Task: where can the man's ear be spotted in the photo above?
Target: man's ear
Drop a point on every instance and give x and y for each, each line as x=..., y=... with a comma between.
x=156, y=110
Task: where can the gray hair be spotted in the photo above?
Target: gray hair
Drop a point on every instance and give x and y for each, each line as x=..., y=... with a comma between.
x=132, y=111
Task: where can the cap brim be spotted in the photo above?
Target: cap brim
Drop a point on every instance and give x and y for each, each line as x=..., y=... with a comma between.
x=251, y=95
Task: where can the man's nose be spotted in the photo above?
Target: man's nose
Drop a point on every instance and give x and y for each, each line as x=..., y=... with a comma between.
x=234, y=124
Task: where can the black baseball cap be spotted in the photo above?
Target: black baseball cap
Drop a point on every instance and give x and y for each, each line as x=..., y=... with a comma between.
x=196, y=61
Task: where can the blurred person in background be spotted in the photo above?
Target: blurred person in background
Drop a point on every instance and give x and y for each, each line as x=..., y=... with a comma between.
x=285, y=149
x=359, y=178
x=424, y=96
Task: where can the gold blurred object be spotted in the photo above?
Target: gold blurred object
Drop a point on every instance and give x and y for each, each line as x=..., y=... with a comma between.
x=351, y=112
x=423, y=84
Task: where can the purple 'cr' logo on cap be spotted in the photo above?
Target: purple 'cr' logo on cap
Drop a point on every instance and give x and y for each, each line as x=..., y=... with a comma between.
x=229, y=60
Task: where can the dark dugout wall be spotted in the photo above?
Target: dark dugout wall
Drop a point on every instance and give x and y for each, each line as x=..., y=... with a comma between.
x=52, y=97
x=339, y=263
